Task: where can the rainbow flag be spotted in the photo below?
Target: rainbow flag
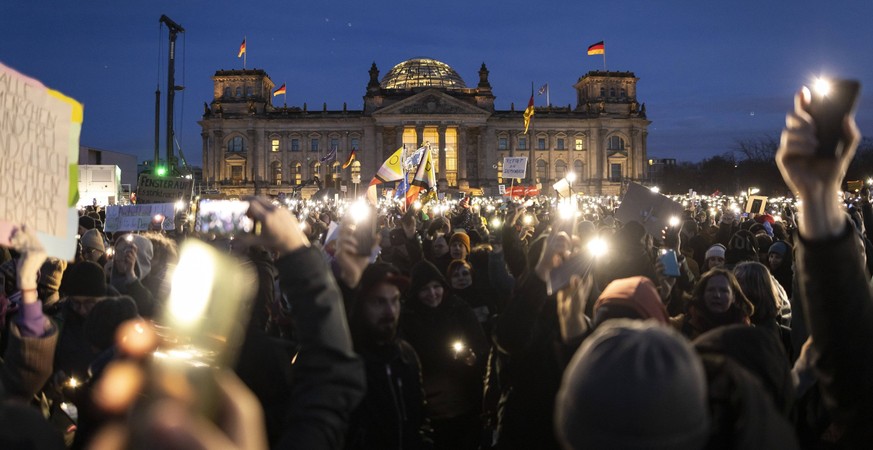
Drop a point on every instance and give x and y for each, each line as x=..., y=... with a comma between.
x=425, y=178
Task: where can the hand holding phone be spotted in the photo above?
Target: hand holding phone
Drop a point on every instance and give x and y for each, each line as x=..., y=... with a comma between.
x=830, y=102
x=670, y=262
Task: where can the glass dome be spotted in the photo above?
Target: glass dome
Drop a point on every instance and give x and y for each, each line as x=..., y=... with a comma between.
x=422, y=72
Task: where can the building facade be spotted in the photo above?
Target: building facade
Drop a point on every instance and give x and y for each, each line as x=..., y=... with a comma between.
x=251, y=146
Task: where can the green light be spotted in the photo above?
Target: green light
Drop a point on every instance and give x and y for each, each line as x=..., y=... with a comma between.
x=161, y=171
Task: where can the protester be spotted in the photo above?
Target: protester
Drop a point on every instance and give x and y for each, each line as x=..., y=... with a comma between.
x=717, y=300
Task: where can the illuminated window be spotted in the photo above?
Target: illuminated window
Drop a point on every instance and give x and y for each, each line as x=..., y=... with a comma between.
x=236, y=174
x=313, y=145
x=356, y=169
x=295, y=145
x=499, y=171
x=560, y=144
x=315, y=169
x=615, y=143
x=502, y=143
x=410, y=140
x=274, y=145
x=451, y=156
x=296, y=173
x=580, y=144
x=542, y=170
x=237, y=144
x=276, y=172
x=522, y=143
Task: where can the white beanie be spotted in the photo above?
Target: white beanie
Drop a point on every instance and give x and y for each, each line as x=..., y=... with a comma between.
x=715, y=250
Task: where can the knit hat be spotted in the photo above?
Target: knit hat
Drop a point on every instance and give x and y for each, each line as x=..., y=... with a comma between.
x=742, y=247
x=84, y=279
x=105, y=317
x=382, y=273
x=637, y=295
x=633, y=385
x=779, y=247
x=463, y=238
x=715, y=250
x=51, y=273
x=87, y=223
x=93, y=239
x=423, y=272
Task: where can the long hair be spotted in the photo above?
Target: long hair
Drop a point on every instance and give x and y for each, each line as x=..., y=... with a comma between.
x=740, y=298
x=757, y=284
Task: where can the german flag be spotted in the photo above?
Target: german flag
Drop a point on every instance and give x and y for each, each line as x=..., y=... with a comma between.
x=352, y=157
x=242, y=49
x=529, y=111
x=280, y=91
x=596, y=49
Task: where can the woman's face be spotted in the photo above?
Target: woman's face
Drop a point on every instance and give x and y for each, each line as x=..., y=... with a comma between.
x=461, y=278
x=775, y=260
x=439, y=247
x=431, y=294
x=458, y=250
x=718, y=295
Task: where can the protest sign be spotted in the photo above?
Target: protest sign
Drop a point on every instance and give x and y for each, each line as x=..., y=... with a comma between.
x=651, y=209
x=756, y=204
x=501, y=189
x=522, y=191
x=155, y=189
x=39, y=146
x=562, y=188
x=515, y=167
x=138, y=217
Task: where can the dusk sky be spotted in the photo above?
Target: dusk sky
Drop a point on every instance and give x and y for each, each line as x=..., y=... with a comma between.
x=710, y=73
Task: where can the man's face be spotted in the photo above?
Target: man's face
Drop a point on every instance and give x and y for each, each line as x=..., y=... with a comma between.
x=458, y=250
x=91, y=254
x=381, y=310
x=439, y=247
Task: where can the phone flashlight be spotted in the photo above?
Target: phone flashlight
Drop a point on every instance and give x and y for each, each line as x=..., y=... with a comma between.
x=528, y=219
x=458, y=346
x=597, y=247
x=129, y=238
x=674, y=221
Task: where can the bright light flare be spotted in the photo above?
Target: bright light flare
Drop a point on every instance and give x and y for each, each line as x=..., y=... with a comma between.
x=181, y=205
x=674, y=221
x=655, y=189
x=458, y=346
x=359, y=211
x=571, y=177
x=416, y=204
x=192, y=283
x=567, y=210
x=527, y=219
x=822, y=86
x=597, y=247
x=496, y=223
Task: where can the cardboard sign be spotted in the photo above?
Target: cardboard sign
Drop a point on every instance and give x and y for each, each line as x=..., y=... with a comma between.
x=138, y=217
x=651, y=209
x=155, y=189
x=501, y=189
x=756, y=204
x=562, y=187
x=515, y=167
x=39, y=147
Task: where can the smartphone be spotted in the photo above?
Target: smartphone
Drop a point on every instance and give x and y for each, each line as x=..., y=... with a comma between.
x=202, y=326
x=670, y=262
x=223, y=218
x=579, y=264
x=364, y=217
x=829, y=105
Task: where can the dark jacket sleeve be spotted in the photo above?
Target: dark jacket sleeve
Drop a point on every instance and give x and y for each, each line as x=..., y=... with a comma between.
x=501, y=280
x=414, y=249
x=839, y=308
x=514, y=252
x=514, y=327
x=27, y=363
x=725, y=231
x=329, y=378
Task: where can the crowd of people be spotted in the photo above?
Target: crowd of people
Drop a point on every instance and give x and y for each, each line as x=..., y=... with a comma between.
x=454, y=330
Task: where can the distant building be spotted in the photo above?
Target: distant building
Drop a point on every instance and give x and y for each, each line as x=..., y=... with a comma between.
x=127, y=163
x=657, y=168
x=251, y=145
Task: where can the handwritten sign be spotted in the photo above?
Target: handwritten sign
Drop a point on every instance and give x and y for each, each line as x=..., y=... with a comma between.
x=137, y=217
x=39, y=144
x=756, y=204
x=515, y=167
x=154, y=189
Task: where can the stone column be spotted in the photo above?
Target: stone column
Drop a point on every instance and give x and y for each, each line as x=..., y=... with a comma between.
x=219, y=147
x=461, y=151
x=398, y=139
x=441, y=175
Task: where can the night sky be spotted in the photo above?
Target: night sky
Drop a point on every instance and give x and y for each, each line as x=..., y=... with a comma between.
x=711, y=73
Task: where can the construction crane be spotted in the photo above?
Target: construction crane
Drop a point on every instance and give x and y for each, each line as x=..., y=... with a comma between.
x=174, y=29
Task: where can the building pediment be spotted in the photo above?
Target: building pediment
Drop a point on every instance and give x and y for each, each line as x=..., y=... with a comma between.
x=429, y=102
x=234, y=157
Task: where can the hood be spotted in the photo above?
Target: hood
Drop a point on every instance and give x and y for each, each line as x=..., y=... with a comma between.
x=636, y=293
x=144, y=254
x=423, y=273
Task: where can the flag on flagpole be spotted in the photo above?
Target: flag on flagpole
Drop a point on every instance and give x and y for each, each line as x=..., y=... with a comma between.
x=351, y=159
x=242, y=49
x=529, y=111
x=597, y=49
x=402, y=189
x=280, y=91
x=391, y=170
x=424, y=179
x=543, y=89
x=330, y=156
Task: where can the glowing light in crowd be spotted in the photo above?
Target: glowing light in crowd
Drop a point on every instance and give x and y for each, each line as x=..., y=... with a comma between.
x=528, y=219
x=359, y=211
x=674, y=221
x=192, y=283
x=495, y=222
x=416, y=204
x=458, y=346
x=73, y=382
x=180, y=205
x=822, y=86
x=655, y=189
x=597, y=247
x=571, y=177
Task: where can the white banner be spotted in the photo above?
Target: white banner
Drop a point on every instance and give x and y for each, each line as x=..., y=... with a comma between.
x=138, y=217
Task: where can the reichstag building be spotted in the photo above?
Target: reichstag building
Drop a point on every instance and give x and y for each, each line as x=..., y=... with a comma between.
x=252, y=146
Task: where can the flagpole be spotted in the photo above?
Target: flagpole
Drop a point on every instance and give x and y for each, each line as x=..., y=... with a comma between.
x=604, y=60
x=246, y=52
x=548, y=100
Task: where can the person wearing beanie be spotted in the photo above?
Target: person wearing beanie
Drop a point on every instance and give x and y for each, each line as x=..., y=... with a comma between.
x=713, y=258
x=86, y=223
x=50, y=276
x=459, y=245
x=93, y=247
x=717, y=300
x=780, y=261
x=633, y=385
x=630, y=298
x=742, y=247
x=391, y=415
x=130, y=267
x=452, y=347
